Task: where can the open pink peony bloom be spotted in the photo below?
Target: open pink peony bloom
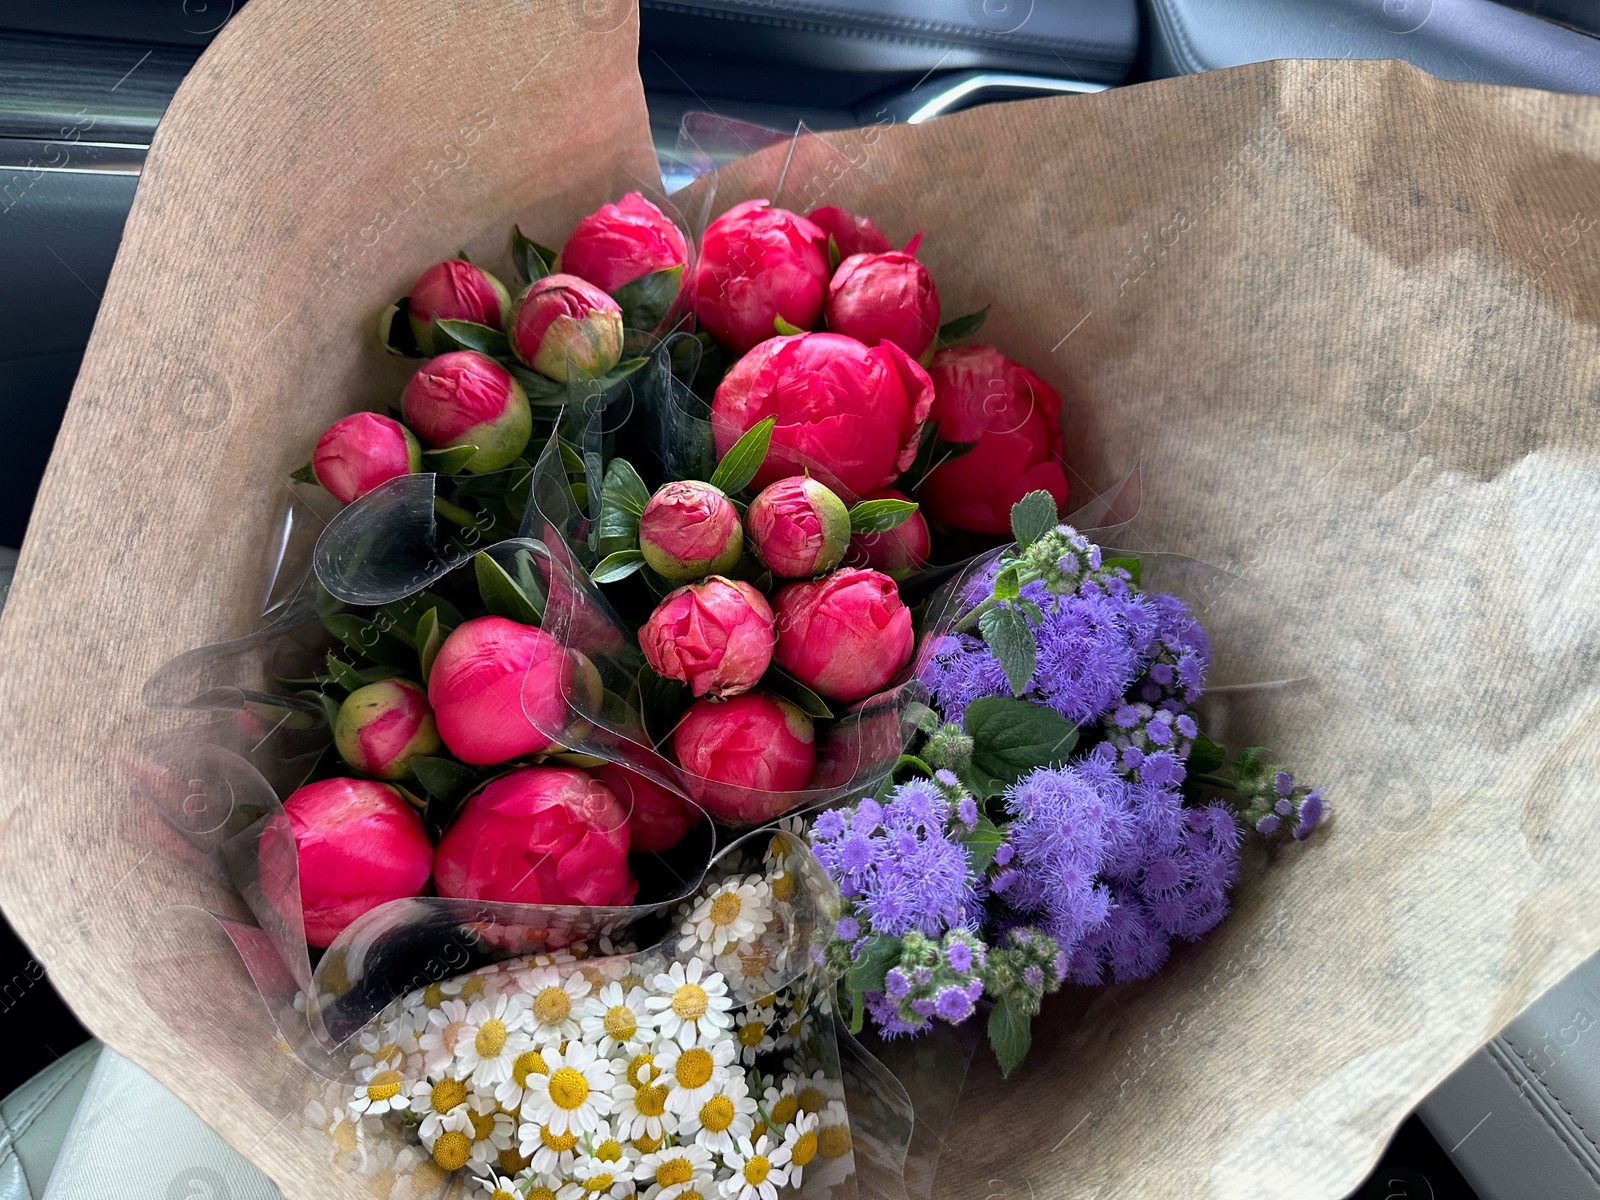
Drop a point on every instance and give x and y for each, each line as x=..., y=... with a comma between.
x=383, y=726
x=1014, y=417
x=622, y=242
x=358, y=845
x=689, y=529
x=357, y=453
x=467, y=399
x=540, y=835
x=885, y=298
x=715, y=635
x=897, y=552
x=751, y=741
x=844, y=411
x=850, y=233
x=496, y=685
x=563, y=325
x=455, y=290
x=657, y=819
x=758, y=263
x=846, y=635
x=798, y=527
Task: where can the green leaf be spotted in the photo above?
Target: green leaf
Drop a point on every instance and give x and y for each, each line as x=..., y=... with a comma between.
x=501, y=594
x=744, y=458
x=623, y=496
x=880, y=516
x=1032, y=517
x=791, y=689
x=344, y=674
x=541, y=391
x=429, y=638
x=394, y=329
x=1012, y=737
x=647, y=300
x=330, y=708
x=408, y=611
x=1009, y=638
x=867, y=972
x=1130, y=564
x=784, y=328
x=304, y=475
x=953, y=331
x=1010, y=1034
x=443, y=777
x=368, y=640
x=469, y=335
x=617, y=565
x=834, y=257
x=531, y=260
x=1008, y=583
x=1205, y=756
x=450, y=461
x=858, y=1000
x=621, y=371
x=981, y=844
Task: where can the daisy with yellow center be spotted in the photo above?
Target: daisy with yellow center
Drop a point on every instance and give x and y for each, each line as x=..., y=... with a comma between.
x=441, y=1104
x=575, y=1095
x=553, y=1000
x=598, y=1179
x=780, y=1103
x=671, y=1174
x=641, y=1069
x=499, y=1187
x=549, y=1153
x=801, y=1141
x=833, y=1131
x=384, y=1091
x=734, y=912
x=614, y=1019
x=642, y=1111
x=756, y=968
x=759, y=1170
x=392, y=1045
x=692, y=1074
x=510, y=1092
x=724, y=1117
x=442, y=1034
x=689, y=1004
x=752, y=1033
x=816, y=1092
x=493, y=1038
x=490, y=1129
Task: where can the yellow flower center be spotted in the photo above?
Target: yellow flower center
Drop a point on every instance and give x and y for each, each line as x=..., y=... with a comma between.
x=344, y=1136
x=674, y=1170
x=541, y=1193
x=650, y=1101
x=501, y=1194
x=482, y=1125
x=620, y=1023
x=511, y=1161
x=757, y=1130
x=751, y=1033
x=754, y=960
x=757, y=1169
x=559, y=1142
x=446, y=1094
x=552, y=1005
x=385, y=1085
x=491, y=1038
x=833, y=1141
x=690, y=1002
x=452, y=1150
x=380, y=1184
x=805, y=1149
x=642, y=1069
x=471, y=989
x=647, y=1144
x=568, y=1089
x=598, y=1183
x=390, y=1054
x=783, y=886
x=529, y=1062
x=812, y=1100
x=609, y=1151
x=451, y=1035
x=785, y=1109
x=433, y=995
x=595, y=976
x=716, y=1114
x=694, y=1068
x=725, y=909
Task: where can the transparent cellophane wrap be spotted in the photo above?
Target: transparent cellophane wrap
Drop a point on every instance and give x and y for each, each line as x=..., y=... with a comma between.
x=1344, y=315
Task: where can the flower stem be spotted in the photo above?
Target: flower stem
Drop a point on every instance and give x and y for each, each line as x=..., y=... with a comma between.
x=971, y=619
x=1216, y=781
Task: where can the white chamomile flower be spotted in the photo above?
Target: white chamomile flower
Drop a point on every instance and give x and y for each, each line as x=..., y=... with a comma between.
x=725, y=1116
x=553, y=1004
x=676, y=1172
x=692, y=1074
x=641, y=1110
x=594, y=1178
x=752, y=1033
x=613, y=1019
x=575, y=1095
x=816, y=1092
x=465, y=987
x=440, y=1105
x=509, y=1092
x=737, y=911
x=758, y=968
x=688, y=1003
x=347, y=1131
x=833, y=1131
x=759, y=1170
x=442, y=1034
x=800, y=1140
x=779, y=1101
x=490, y=1129
x=382, y=1092
x=550, y=1154
x=780, y=848
x=499, y=1187
x=493, y=1038
x=391, y=1044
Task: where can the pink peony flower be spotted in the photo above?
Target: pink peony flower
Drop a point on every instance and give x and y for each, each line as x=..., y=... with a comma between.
x=885, y=298
x=1014, y=417
x=798, y=527
x=562, y=324
x=623, y=242
x=657, y=819
x=689, y=529
x=358, y=845
x=495, y=686
x=358, y=452
x=751, y=741
x=455, y=290
x=383, y=726
x=843, y=410
x=758, y=263
x=715, y=635
x=898, y=552
x=540, y=835
x=850, y=233
x=846, y=635
x=467, y=399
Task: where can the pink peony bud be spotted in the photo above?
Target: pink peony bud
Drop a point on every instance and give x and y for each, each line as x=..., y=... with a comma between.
x=540, y=835
x=467, y=399
x=843, y=410
x=846, y=635
x=623, y=242
x=357, y=453
x=657, y=819
x=885, y=298
x=897, y=552
x=455, y=290
x=1014, y=417
x=383, y=726
x=758, y=263
x=359, y=845
x=562, y=324
x=798, y=527
x=850, y=233
x=751, y=741
x=495, y=685
x=715, y=635
x=690, y=529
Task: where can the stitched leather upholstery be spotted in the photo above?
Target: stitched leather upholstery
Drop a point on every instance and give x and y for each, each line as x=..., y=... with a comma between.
x=34, y=1120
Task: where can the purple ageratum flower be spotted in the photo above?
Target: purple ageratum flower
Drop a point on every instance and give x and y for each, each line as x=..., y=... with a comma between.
x=959, y=956
x=885, y=1014
x=1283, y=783
x=896, y=983
x=1152, y=741
x=1178, y=652
x=953, y=1004
x=1309, y=814
x=848, y=929
x=1268, y=825
x=960, y=670
x=1086, y=658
